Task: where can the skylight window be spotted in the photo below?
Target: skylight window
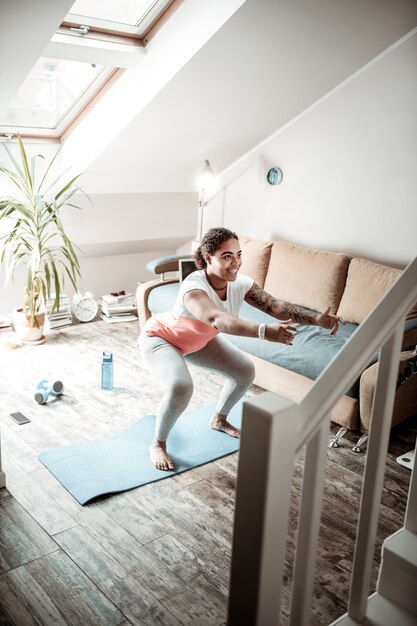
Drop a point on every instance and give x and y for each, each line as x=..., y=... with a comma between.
x=53, y=89
x=130, y=12
x=131, y=17
x=96, y=41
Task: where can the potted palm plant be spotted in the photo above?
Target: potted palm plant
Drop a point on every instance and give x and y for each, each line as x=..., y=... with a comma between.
x=32, y=235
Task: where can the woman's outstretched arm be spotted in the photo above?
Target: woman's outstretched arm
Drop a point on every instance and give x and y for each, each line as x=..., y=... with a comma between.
x=262, y=300
x=203, y=308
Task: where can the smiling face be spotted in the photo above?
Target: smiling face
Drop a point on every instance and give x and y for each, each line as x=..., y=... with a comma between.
x=225, y=263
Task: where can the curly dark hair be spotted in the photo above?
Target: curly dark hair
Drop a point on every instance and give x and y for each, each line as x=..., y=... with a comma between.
x=210, y=243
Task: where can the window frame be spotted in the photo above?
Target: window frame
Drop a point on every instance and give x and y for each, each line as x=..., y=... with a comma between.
x=138, y=31
x=123, y=42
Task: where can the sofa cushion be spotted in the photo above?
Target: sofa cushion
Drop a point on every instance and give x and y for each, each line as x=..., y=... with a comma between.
x=311, y=278
x=367, y=282
x=255, y=258
x=311, y=352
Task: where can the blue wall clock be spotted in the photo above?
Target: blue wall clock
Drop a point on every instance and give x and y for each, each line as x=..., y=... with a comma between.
x=274, y=176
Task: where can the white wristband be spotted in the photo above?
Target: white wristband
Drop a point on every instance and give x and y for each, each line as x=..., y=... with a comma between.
x=261, y=331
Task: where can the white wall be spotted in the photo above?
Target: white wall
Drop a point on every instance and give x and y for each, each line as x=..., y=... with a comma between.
x=117, y=235
x=116, y=272
x=349, y=167
x=137, y=217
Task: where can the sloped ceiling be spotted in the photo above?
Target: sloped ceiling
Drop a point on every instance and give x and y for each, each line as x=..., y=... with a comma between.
x=269, y=62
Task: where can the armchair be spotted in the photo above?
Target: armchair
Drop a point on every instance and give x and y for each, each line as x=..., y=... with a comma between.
x=160, y=266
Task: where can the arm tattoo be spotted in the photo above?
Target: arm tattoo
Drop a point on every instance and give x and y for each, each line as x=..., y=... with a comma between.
x=262, y=300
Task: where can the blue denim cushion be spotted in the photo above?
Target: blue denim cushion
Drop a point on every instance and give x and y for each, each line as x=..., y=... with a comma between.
x=311, y=352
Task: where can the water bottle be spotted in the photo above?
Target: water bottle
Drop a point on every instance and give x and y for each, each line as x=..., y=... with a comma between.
x=107, y=371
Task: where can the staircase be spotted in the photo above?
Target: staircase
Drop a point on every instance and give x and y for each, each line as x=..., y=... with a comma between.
x=274, y=430
x=395, y=601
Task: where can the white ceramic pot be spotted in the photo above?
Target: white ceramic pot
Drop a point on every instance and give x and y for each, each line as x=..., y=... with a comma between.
x=28, y=333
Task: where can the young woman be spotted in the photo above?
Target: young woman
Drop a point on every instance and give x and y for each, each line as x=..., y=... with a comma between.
x=208, y=304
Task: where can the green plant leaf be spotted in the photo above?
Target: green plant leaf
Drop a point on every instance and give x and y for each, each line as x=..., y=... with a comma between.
x=35, y=235
x=51, y=162
x=54, y=183
x=19, y=170
x=25, y=163
x=67, y=186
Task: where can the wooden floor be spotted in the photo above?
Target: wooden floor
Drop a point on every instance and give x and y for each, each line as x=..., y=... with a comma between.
x=159, y=554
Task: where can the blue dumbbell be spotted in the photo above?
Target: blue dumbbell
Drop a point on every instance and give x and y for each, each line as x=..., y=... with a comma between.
x=44, y=389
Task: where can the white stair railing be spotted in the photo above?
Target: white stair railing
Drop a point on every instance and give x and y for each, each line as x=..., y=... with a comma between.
x=274, y=431
x=309, y=525
x=374, y=474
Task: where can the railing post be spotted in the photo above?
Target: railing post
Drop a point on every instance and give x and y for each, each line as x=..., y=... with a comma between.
x=410, y=521
x=266, y=465
x=309, y=526
x=374, y=472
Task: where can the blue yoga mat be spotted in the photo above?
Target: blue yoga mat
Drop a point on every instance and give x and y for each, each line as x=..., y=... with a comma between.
x=121, y=462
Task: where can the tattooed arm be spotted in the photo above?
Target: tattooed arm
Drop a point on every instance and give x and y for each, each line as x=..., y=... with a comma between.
x=263, y=301
x=279, y=309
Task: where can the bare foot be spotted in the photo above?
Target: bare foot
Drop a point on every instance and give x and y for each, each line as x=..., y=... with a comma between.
x=159, y=455
x=219, y=422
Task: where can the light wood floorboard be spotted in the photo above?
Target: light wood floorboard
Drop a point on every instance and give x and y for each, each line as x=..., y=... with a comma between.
x=159, y=554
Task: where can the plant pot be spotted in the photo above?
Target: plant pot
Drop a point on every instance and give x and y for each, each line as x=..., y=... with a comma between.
x=28, y=333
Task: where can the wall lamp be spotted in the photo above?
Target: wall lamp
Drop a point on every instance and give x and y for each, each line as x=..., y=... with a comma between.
x=206, y=181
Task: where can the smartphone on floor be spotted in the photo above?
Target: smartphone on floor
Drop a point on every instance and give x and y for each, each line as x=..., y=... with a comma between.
x=19, y=418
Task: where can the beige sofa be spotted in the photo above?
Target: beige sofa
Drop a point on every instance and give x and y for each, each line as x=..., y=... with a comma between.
x=314, y=279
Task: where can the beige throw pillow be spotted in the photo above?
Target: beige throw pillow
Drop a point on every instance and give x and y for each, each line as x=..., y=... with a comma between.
x=255, y=258
x=307, y=277
x=367, y=282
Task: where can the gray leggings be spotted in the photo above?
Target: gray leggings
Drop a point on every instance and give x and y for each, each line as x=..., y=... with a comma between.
x=168, y=365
